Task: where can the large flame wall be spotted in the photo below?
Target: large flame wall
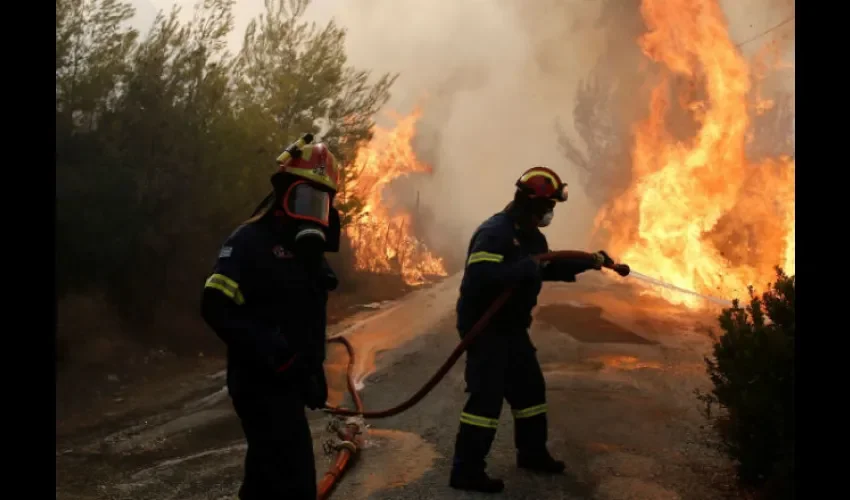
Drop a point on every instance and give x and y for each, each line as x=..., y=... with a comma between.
x=698, y=213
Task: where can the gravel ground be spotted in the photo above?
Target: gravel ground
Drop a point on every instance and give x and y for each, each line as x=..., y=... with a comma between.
x=620, y=369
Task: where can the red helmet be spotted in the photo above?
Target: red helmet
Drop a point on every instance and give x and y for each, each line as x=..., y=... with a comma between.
x=315, y=163
x=313, y=173
x=542, y=182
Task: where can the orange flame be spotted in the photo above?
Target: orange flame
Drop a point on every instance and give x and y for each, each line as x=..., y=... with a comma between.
x=384, y=242
x=698, y=213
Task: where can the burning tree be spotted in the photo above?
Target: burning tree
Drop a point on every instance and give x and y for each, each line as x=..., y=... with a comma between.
x=606, y=104
x=699, y=213
x=604, y=163
x=773, y=130
x=380, y=232
x=772, y=133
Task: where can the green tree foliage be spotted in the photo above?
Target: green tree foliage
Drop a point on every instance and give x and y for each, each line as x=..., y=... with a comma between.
x=166, y=141
x=752, y=371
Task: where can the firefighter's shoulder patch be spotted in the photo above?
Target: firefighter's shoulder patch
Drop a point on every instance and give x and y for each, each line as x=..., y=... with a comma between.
x=281, y=253
x=226, y=251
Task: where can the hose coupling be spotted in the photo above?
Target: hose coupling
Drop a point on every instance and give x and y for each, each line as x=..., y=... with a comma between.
x=358, y=422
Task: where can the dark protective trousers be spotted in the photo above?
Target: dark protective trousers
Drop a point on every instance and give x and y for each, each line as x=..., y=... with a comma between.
x=279, y=463
x=498, y=368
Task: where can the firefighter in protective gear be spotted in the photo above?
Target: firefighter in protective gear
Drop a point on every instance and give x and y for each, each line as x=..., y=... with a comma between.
x=502, y=363
x=266, y=299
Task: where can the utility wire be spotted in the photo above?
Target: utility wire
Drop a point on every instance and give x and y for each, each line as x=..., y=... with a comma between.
x=756, y=37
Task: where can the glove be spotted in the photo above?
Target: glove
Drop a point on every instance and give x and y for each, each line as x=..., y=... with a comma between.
x=602, y=259
x=288, y=365
x=277, y=354
x=329, y=278
x=598, y=260
x=608, y=262
x=316, y=390
x=330, y=281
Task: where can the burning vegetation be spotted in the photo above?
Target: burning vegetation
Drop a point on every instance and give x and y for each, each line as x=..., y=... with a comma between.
x=382, y=234
x=699, y=213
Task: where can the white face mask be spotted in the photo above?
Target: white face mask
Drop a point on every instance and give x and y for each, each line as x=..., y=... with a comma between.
x=547, y=219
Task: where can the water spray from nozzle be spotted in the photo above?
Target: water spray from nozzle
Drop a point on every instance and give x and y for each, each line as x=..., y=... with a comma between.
x=624, y=270
x=669, y=286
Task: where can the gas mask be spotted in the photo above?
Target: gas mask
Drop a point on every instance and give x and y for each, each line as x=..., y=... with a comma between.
x=315, y=223
x=543, y=210
x=546, y=219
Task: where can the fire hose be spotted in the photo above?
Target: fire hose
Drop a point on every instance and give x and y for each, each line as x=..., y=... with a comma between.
x=349, y=433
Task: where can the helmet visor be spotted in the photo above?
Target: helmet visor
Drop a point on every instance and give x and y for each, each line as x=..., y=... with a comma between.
x=305, y=202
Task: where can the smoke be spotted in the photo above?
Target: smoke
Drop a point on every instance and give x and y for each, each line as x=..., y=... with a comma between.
x=490, y=94
x=494, y=77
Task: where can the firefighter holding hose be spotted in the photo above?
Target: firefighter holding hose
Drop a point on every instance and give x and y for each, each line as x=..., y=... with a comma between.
x=266, y=299
x=502, y=362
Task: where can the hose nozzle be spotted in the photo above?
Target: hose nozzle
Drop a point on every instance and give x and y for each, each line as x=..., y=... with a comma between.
x=621, y=269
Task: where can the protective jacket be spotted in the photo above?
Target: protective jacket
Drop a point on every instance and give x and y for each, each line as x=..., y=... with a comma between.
x=499, y=255
x=502, y=363
x=268, y=308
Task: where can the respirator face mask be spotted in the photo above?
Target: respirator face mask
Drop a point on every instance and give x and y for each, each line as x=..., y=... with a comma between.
x=546, y=219
x=310, y=209
x=544, y=211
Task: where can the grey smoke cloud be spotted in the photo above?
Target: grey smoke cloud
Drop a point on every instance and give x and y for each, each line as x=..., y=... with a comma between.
x=496, y=75
x=493, y=93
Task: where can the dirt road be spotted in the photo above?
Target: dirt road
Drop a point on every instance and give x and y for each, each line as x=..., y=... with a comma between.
x=621, y=370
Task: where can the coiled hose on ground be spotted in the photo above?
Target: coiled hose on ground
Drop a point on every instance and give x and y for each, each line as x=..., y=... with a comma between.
x=347, y=449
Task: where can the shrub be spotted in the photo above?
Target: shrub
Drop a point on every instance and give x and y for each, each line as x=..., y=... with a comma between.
x=752, y=371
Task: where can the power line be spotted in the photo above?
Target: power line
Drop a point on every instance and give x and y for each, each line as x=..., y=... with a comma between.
x=756, y=37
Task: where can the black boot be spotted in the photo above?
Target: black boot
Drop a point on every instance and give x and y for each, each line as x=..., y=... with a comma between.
x=540, y=461
x=475, y=480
